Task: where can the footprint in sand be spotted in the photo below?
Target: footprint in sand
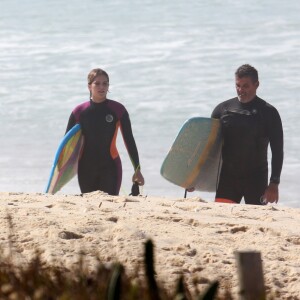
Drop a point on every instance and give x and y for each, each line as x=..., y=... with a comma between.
x=235, y=228
x=112, y=219
x=294, y=240
x=271, y=231
x=239, y=229
x=68, y=235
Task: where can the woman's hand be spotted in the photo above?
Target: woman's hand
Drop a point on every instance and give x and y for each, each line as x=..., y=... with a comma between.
x=138, y=177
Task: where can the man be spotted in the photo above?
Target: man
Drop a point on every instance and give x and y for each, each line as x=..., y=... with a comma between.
x=249, y=125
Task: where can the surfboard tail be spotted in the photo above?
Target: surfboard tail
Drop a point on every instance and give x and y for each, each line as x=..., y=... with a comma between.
x=194, y=158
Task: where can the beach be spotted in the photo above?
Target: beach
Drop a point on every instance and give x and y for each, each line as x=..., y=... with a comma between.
x=164, y=67
x=192, y=237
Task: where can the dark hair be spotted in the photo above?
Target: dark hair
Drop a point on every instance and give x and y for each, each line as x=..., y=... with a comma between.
x=94, y=73
x=247, y=71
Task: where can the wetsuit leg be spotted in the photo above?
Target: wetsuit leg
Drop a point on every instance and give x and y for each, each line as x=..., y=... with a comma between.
x=104, y=179
x=88, y=180
x=255, y=187
x=229, y=187
x=107, y=180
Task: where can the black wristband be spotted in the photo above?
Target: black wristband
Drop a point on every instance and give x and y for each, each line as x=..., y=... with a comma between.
x=275, y=180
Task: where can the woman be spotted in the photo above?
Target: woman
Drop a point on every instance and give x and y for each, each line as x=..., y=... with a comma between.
x=100, y=166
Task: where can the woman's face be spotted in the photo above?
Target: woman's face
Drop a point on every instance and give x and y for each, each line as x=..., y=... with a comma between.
x=99, y=88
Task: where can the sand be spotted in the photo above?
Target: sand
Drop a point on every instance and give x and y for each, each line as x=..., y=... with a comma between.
x=191, y=236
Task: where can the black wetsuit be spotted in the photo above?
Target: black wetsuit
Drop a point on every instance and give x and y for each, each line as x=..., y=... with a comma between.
x=247, y=130
x=100, y=166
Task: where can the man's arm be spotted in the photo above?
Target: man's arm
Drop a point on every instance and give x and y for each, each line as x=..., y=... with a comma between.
x=275, y=132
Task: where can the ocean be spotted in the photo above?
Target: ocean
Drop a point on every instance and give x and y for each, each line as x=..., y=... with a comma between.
x=167, y=60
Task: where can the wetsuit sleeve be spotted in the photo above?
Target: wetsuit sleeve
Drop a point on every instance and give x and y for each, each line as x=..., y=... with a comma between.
x=275, y=132
x=217, y=112
x=129, y=140
x=71, y=122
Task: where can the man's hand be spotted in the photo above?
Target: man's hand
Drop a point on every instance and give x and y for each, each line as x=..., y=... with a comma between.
x=271, y=193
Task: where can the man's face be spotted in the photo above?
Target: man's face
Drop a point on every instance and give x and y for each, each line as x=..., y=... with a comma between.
x=246, y=88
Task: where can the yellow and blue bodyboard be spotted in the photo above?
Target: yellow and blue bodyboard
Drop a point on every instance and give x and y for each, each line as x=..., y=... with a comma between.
x=195, y=157
x=66, y=159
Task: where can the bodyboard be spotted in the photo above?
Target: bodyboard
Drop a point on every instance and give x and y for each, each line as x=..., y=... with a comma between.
x=66, y=159
x=194, y=159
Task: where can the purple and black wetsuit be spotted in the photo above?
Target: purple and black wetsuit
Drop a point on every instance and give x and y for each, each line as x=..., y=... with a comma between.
x=100, y=166
x=247, y=130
